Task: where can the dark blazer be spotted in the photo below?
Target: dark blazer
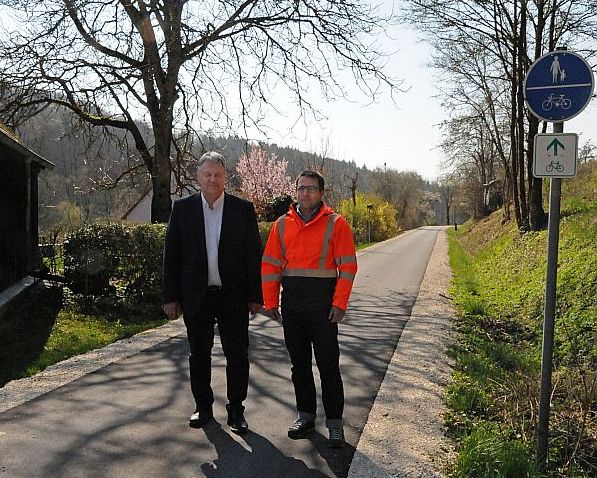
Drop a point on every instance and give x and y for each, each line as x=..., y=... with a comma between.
x=185, y=253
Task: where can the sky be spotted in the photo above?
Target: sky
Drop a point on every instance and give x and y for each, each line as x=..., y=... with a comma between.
x=405, y=135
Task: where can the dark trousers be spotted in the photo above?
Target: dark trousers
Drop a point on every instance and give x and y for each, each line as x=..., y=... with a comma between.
x=306, y=328
x=232, y=318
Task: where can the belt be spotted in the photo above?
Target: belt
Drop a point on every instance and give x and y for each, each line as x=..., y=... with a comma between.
x=214, y=288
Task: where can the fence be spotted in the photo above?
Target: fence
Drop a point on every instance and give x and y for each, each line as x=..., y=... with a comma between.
x=14, y=268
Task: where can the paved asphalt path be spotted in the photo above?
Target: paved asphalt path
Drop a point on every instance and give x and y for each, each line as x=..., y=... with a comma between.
x=129, y=419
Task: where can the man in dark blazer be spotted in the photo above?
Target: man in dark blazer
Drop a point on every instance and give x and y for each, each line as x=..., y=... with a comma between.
x=212, y=260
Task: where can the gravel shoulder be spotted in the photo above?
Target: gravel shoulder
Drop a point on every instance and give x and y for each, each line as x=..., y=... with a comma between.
x=404, y=435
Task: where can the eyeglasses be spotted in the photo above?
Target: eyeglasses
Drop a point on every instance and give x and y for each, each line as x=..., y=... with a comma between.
x=308, y=189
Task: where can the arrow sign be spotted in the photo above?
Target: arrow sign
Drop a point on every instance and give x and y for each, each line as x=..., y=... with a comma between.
x=554, y=144
x=555, y=155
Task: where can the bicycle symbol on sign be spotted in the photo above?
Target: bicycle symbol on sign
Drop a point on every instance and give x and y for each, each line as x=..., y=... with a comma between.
x=554, y=165
x=556, y=101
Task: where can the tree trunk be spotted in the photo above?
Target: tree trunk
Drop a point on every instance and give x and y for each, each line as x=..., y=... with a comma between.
x=514, y=158
x=513, y=126
x=538, y=218
x=447, y=211
x=161, y=203
x=520, y=74
x=506, y=191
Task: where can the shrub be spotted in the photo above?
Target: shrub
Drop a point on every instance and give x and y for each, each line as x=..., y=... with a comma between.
x=381, y=218
x=264, y=230
x=141, y=271
x=92, y=256
x=112, y=258
x=277, y=207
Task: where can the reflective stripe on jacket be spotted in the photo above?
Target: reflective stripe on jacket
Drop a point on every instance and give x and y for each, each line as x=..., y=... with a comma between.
x=322, y=248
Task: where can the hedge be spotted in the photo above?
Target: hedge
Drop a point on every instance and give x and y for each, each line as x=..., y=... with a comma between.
x=114, y=258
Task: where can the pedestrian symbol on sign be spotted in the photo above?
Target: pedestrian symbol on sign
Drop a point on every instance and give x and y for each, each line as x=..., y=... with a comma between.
x=555, y=70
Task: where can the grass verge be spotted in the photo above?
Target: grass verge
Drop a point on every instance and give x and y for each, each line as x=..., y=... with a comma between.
x=43, y=328
x=364, y=245
x=498, y=287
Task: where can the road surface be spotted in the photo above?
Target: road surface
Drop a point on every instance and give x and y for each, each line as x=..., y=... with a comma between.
x=129, y=419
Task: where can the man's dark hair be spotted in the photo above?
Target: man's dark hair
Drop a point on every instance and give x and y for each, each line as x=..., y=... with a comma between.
x=307, y=173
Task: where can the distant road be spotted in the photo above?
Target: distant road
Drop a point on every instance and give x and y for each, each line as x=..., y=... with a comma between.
x=129, y=419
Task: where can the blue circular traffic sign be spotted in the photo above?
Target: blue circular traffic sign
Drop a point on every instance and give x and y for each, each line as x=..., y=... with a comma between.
x=558, y=86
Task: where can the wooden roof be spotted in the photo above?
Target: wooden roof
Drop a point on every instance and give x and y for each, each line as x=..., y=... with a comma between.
x=12, y=141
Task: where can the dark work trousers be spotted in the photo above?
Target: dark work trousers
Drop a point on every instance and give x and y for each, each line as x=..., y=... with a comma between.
x=232, y=317
x=306, y=304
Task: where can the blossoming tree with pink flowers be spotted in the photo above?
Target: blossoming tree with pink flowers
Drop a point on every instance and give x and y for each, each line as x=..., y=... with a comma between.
x=263, y=178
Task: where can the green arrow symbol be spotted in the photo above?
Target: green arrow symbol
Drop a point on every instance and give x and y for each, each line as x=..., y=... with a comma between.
x=554, y=144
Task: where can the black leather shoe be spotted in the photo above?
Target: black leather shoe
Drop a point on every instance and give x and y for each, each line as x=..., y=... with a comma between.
x=236, y=419
x=200, y=418
x=300, y=429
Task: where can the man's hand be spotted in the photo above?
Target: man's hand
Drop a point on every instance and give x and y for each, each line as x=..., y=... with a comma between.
x=172, y=310
x=336, y=314
x=254, y=308
x=273, y=313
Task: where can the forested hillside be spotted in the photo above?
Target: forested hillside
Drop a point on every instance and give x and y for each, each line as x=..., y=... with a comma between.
x=99, y=176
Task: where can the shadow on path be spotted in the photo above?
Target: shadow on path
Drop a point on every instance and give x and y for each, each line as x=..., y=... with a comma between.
x=253, y=455
x=130, y=418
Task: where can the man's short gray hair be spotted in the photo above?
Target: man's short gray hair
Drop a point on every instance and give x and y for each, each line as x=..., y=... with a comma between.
x=213, y=157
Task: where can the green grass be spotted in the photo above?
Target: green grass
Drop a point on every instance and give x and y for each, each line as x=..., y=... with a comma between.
x=42, y=329
x=466, y=287
x=488, y=452
x=74, y=334
x=498, y=288
x=363, y=245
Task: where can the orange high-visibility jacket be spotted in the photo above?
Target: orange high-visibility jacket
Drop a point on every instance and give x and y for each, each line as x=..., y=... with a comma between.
x=323, y=247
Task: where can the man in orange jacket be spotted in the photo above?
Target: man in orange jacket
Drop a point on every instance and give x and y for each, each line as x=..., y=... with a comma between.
x=310, y=253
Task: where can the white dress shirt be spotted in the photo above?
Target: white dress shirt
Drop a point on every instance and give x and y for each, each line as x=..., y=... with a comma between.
x=212, y=219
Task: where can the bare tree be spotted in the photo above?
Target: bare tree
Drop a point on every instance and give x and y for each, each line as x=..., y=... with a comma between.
x=404, y=190
x=353, y=184
x=487, y=47
x=471, y=151
x=185, y=67
x=448, y=183
x=588, y=152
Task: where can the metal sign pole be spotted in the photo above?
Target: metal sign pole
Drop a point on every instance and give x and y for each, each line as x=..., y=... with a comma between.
x=555, y=191
x=557, y=87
